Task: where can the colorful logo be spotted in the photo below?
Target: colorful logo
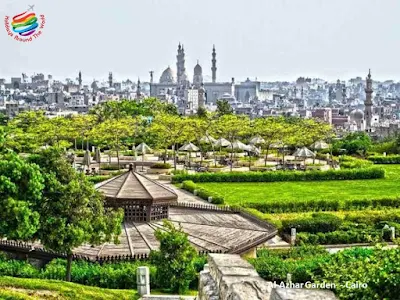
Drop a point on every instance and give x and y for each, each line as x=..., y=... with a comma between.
x=26, y=26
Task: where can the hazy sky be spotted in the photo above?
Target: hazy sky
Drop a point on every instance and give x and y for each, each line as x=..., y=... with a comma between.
x=267, y=39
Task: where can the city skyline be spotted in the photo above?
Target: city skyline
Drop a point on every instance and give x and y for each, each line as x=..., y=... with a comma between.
x=271, y=41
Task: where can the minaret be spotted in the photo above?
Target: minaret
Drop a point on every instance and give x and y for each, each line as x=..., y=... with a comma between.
x=202, y=96
x=151, y=76
x=179, y=70
x=302, y=92
x=138, y=90
x=214, y=65
x=344, y=94
x=110, y=79
x=368, y=102
x=80, y=80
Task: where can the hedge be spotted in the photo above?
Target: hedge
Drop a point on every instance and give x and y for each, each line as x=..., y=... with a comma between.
x=391, y=159
x=317, y=223
x=161, y=166
x=190, y=186
x=286, y=206
x=339, y=237
x=348, y=174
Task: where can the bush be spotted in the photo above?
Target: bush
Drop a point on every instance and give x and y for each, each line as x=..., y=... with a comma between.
x=204, y=194
x=339, y=237
x=161, y=166
x=390, y=159
x=110, y=167
x=294, y=206
x=319, y=222
x=353, y=174
x=349, y=162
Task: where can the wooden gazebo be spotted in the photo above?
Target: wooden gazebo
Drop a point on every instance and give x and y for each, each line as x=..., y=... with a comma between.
x=143, y=199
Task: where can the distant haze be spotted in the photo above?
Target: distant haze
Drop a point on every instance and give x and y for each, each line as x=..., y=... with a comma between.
x=267, y=39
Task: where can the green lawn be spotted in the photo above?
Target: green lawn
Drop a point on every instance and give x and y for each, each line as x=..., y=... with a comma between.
x=21, y=288
x=237, y=193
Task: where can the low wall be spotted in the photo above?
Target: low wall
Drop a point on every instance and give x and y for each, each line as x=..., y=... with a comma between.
x=228, y=276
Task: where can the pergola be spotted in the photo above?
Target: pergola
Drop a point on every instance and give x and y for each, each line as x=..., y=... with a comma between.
x=142, y=199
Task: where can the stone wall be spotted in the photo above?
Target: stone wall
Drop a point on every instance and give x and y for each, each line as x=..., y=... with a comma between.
x=229, y=277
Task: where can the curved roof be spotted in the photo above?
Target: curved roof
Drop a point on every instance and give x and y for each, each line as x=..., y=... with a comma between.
x=198, y=70
x=357, y=114
x=132, y=186
x=168, y=76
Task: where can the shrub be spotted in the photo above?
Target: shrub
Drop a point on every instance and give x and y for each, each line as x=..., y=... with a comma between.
x=353, y=174
x=161, y=166
x=390, y=159
x=204, y=194
x=349, y=162
x=319, y=222
x=110, y=167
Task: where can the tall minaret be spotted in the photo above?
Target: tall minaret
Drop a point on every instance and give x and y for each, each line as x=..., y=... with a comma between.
x=138, y=90
x=214, y=65
x=179, y=68
x=368, y=102
x=151, y=76
x=80, y=80
x=344, y=94
x=110, y=79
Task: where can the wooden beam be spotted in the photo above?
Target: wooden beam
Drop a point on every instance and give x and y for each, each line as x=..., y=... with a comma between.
x=129, y=240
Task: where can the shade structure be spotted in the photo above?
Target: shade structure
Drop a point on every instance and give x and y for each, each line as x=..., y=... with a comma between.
x=278, y=145
x=132, y=188
x=238, y=145
x=143, y=148
x=87, y=160
x=207, y=139
x=319, y=145
x=97, y=156
x=221, y=142
x=257, y=140
x=189, y=147
x=253, y=149
x=304, y=153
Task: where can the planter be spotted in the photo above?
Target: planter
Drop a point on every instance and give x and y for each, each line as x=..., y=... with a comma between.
x=165, y=177
x=158, y=171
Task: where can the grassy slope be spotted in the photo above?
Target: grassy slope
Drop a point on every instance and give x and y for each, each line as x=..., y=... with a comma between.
x=21, y=288
x=236, y=193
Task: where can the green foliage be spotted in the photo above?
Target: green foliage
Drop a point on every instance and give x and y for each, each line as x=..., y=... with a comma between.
x=224, y=108
x=379, y=270
x=368, y=173
x=202, y=193
x=353, y=143
x=12, y=288
x=390, y=159
x=21, y=185
x=161, y=166
x=349, y=162
x=317, y=223
x=174, y=260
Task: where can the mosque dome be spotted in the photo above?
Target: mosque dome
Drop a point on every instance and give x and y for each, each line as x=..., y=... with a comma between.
x=357, y=115
x=168, y=76
x=198, y=70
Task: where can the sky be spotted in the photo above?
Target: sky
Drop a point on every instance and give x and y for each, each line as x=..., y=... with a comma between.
x=264, y=39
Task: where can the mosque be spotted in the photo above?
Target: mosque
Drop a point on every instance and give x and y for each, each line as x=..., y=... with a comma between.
x=191, y=95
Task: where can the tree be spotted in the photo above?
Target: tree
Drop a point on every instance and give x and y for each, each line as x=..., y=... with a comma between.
x=268, y=129
x=354, y=143
x=169, y=130
x=175, y=259
x=3, y=119
x=232, y=127
x=71, y=211
x=201, y=112
x=21, y=185
x=224, y=108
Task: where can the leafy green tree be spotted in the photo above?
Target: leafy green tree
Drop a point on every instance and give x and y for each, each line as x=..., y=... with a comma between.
x=224, y=108
x=354, y=143
x=71, y=211
x=232, y=127
x=175, y=259
x=3, y=119
x=21, y=185
x=268, y=129
x=201, y=112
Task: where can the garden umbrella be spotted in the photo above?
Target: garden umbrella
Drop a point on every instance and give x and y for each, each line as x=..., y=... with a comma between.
x=319, y=145
x=257, y=140
x=238, y=145
x=304, y=153
x=207, y=139
x=144, y=149
x=221, y=142
x=87, y=159
x=189, y=147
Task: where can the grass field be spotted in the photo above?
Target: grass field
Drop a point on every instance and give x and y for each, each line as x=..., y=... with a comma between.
x=237, y=193
x=21, y=288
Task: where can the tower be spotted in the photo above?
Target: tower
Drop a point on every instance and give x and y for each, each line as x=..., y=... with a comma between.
x=138, y=90
x=344, y=94
x=202, y=96
x=80, y=79
x=295, y=92
x=198, y=76
x=180, y=65
x=214, y=65
x=151, y=76
x=368, y=102
x=302, y=92
x=110, y=79
x=339, y=91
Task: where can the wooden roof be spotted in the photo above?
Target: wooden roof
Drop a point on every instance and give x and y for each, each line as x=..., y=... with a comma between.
x=208, y=230
x=134, y=186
